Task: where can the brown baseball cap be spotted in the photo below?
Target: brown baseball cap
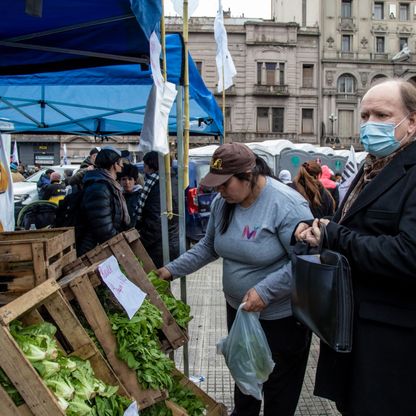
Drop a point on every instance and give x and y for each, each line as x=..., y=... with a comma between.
x=227, y=160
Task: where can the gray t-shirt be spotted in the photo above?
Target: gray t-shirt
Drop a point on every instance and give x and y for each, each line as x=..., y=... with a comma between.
x=255, y=248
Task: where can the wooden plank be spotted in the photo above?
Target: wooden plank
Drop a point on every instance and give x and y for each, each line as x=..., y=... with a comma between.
x=28, y=235
x=27, y=301
x=122, y=251
x=141, y=253
x=36, y=395
x=60, y=242
x=8, y=408
x=18, y=251
x=176, y=409
x=67, y=322
x=98, y=320
x=39, y=262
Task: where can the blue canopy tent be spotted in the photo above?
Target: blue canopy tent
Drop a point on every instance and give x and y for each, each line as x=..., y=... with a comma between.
x=75, y=34
x=107, y=100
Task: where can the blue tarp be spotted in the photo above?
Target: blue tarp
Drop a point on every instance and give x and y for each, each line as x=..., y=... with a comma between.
x=75, y=34
x=105, y=100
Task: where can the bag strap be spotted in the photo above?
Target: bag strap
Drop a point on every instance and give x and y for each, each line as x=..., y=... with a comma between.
x=323, y=237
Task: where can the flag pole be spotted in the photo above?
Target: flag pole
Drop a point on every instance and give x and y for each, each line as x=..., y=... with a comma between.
x=186, y=97
x=223, y=100
x=166, y=158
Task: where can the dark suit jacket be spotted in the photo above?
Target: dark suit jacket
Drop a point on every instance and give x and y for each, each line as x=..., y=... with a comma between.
x=378, y=236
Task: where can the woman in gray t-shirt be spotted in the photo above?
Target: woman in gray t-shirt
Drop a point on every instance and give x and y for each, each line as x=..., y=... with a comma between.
x=250, y=227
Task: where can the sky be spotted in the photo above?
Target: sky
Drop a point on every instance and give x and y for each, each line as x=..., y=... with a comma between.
x=250, y=8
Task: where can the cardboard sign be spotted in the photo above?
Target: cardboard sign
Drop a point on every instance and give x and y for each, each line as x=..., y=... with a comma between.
x=126, y=292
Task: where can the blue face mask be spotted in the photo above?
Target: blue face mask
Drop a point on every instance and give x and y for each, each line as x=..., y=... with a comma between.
x=378, y=138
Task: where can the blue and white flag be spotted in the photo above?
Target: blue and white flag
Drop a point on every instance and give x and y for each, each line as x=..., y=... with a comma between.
x=15, y=155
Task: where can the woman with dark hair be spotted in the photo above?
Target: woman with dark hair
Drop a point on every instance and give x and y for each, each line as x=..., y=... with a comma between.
x=250, y=227
x=103, y=203
x=307, y=183
x=131, y=191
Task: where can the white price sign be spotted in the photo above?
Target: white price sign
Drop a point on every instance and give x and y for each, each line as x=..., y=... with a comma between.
x=132, y=410
x=127, y=293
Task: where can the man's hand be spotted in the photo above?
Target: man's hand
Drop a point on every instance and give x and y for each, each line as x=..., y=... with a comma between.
x=164, y=274
x=253, y=302
x=302, y=227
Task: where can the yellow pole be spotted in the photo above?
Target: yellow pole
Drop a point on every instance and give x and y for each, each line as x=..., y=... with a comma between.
x=169, y=209
x=223, y=100
x=186, y=97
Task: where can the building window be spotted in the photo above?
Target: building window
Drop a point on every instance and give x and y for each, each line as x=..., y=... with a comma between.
x=403, y=42
x=277, y=120
x=404, y=11
x=378, y=12
x=263, y=120
x=307, y=121
x=346, y=123
x=380, y=44
x=346, y=43
x=346, y=84
x=377, y=78
x=198, y=65
x=346, y=8
x=270, y=73
x=307, y=76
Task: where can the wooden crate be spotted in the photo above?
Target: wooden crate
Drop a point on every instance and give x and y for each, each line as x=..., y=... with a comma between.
x=28, y=258
x=39, y=400
x=80, y=286
x=213, y=408
x=120, y=246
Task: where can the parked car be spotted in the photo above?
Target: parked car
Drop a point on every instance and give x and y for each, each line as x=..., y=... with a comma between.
x=197, y=199
x=26, y=192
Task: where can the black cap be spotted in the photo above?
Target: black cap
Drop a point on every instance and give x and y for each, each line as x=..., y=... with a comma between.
x=107, y=156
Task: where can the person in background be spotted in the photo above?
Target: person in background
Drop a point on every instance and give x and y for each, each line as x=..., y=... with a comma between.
x=44, y=180
x=307, y=183
x=16, y=175
x=22, y=170
x=67, y=176
x=55, y=191
x=90, y=160
x=338, y=178
x=250, y=227
x=285, y=177
x=375, y=228
x=131, y=190
x=327, y=180
x=149, y=214
x=104, y=208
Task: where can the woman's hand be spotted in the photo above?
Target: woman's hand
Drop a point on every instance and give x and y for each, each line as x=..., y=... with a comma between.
x=164, y=273
x=253, y=302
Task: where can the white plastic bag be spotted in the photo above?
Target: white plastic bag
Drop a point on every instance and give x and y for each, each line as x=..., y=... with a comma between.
x=247, y=353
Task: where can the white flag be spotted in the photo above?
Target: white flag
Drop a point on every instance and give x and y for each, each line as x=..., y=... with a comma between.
x=65, y=155
x=154, y=135
x=6, y=187
x=348, y=174
x=225, y=64
x=192, y=6
x=15, y=155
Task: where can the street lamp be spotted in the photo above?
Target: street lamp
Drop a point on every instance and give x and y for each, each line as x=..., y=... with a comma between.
x=332, y=118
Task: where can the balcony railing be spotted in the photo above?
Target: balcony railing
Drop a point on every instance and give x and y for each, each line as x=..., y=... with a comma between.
x=337, y=142
x=281, y=90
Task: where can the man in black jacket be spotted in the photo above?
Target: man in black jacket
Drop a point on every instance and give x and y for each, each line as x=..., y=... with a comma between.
x=103, y=203
x=149, y=216
x=375, y=228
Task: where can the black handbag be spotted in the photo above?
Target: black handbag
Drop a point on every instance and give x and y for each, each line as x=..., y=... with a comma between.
x=322, y=296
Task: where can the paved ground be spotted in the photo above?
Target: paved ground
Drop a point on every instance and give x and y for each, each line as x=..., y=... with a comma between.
x=208, y=309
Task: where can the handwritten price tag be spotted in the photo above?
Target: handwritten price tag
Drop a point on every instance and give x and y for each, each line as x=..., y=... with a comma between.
x=127, y=293
x=132, y=410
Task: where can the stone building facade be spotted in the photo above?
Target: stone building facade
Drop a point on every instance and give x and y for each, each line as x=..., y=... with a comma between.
x=359, y=39
x=275, y=95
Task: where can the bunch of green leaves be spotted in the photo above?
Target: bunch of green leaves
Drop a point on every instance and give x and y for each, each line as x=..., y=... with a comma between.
x=186, y=398
x=158, y=409
x=138, y=346
x=71, y=379
x=180, y=311
x=10, y=389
